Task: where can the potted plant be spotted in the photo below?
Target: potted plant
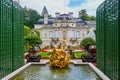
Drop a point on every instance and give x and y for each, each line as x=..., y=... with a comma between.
x=86, y=42
x=32, y=40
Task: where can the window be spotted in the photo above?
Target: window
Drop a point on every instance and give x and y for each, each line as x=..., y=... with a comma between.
x=64, y=35
x=56, y=34
x=55, y=24
x=77, y=34
x=45, y=35
x=50, y=34
x=72, y=34
x=83, y=35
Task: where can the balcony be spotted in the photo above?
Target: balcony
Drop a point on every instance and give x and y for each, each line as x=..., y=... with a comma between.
x=73, y=39
x=55, y=39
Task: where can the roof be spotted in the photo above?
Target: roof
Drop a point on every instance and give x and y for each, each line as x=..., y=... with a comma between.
x=64, y=16
x=50, y=21
x=44, y=11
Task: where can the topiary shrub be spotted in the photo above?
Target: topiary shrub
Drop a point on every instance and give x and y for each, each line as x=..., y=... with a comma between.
x=32, y=40
x=86, y=42
x=37, y=32
x=27, y=30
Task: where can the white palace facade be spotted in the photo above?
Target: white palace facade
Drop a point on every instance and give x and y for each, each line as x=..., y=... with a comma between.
x=62, y=27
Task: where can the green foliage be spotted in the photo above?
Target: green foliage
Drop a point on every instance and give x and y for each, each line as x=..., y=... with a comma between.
x=73, y=55
x=26, y=47
x=27, y=30
x=30, y=17
x=44, y=54
x=32, y=40
x=86, y=42
x=84, y=16
x=92, y=18
x=37, y=32
x=49, y=16
x=79, y=54
x=71, y=52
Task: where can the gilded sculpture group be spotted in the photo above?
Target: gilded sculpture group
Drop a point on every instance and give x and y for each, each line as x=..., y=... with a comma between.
x=58, y=57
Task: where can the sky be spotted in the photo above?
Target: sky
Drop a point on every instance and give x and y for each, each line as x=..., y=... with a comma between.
x=63, y=6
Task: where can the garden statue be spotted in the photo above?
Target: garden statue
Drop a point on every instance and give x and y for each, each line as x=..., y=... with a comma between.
x=58, y=57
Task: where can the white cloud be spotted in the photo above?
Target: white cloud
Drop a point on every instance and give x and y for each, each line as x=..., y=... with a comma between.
x=90, y=6
x=61, y=6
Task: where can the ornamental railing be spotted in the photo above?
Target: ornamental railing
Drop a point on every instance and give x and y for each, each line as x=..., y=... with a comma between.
x=108, y=38
x=11, y=37
x=55, y=39
x=73, y=39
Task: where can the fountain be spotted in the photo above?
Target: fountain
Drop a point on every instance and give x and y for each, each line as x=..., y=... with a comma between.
x=58, y=57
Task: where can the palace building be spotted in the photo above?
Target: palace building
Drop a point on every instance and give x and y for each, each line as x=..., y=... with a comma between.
x=62, y=27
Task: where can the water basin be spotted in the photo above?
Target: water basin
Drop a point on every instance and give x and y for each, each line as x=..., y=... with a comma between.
x=41, y=72
x=37, y=71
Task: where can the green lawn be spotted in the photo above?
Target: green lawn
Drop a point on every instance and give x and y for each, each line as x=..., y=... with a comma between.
x=44, y=54
x=78, y=54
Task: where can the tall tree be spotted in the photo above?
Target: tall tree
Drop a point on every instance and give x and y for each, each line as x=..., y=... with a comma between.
x=31, y=17
x=83, y=15
x=92, y=18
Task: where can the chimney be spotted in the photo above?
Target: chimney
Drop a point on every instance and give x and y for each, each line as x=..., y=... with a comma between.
x=45, y=18
x=71, y=14
x=57, y=14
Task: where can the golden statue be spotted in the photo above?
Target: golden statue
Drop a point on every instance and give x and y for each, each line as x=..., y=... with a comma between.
x=58, y=57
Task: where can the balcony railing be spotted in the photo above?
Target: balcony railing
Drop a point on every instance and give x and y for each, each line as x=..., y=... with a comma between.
x=73, y=39
x=55, y=39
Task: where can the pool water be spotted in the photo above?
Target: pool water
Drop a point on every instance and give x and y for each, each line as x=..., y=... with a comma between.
x=45, y=72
